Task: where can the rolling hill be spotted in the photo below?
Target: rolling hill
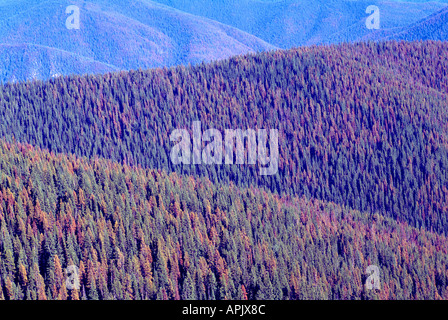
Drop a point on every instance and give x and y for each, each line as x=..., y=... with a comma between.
x=433, y=27
x=292, y=23
x=113, y=36
x=87, y=176
x=144, y=234
x=128, y=35
x=361, y=125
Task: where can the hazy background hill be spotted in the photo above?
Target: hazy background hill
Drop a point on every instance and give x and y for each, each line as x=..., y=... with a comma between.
x=123, y=35
x=113, y=35
x=433, y=27
x=292, y=23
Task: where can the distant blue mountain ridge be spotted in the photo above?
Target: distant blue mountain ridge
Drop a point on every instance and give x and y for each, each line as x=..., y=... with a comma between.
x=291, y=23
x=35, y=42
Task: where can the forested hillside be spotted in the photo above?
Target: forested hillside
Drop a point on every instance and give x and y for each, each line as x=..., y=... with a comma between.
x=362, y=125
x=144, y=234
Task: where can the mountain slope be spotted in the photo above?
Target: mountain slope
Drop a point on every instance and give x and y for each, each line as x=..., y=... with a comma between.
x=144, y=234
x=113, y=35
x=123, y=35
x=433, y=27
x=362, y=125
x=293, y=23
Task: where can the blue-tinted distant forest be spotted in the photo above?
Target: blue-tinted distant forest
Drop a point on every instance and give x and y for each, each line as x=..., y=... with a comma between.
x=125, y=35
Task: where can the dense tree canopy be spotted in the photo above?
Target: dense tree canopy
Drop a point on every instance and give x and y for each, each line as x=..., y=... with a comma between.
x=145, y=234
x=86, y=179
x=362, y=125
